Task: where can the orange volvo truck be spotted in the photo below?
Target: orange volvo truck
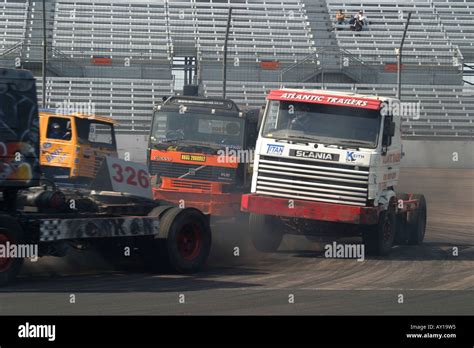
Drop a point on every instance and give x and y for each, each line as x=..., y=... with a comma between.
x=200, y=153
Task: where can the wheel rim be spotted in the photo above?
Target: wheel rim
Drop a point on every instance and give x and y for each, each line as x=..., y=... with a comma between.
x=5, y=262
x=190, y=241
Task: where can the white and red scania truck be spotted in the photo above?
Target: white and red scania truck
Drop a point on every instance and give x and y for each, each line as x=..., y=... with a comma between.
x=327, y=163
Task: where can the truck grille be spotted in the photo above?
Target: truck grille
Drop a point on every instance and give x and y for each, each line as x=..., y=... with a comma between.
x=191, y=185
x=98, y=163
x=311, y=180
x=192, y=172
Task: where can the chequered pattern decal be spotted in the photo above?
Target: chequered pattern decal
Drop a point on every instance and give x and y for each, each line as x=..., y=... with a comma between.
x=53, y=230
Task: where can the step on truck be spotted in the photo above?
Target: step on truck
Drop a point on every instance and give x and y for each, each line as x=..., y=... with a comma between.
x=200, y=153
x=327, y=163
x=118, y=212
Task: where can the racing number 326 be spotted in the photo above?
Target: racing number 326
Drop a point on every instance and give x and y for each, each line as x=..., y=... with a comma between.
x=131, y=176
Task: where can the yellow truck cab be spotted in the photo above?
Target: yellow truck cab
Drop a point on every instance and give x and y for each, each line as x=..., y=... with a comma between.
x=73, y=145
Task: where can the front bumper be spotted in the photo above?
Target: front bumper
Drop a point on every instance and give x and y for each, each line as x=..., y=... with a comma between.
x=217, y=204
x=266, y=205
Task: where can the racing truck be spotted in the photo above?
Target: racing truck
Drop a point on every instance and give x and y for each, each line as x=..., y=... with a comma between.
x=118, y=210
x=200, y=153
x=73, y=145
x=327, y=164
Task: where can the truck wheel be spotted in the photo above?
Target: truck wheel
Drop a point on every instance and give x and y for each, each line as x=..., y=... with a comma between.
x=187, y=244
x=416, y=222
x=401, y=223
x=12, y=233
x=160, y=210
x=266, y=232
x=379, y=239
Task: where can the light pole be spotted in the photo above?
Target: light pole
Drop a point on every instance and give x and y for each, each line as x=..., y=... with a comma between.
x=399, y=52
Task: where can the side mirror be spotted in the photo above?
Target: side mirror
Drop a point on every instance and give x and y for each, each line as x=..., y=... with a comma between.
x=261, y=113
x=391, y=128
x=388, y=132
x=386, y=141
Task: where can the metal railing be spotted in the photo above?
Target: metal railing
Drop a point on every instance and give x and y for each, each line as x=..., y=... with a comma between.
x=329, y=60
x=11, y=49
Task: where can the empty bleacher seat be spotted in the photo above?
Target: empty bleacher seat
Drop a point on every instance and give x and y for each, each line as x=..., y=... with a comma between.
x=117, y=29
x=129, y=101
x=13, y=16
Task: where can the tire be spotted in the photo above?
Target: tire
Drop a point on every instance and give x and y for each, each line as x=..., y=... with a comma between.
x=266, y=232
x=160, y=210
x=12, y=232
x=416, y=222
x=379, y=239
x=187, y=245
x=401, y=235
x=153, y=253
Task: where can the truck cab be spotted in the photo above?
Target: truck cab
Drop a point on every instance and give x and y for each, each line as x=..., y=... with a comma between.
x=325, y=156
x=73, y=146
x=354, y=149
x=194, y=149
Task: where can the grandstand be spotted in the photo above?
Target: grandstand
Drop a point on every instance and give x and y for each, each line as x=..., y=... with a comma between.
x=124, y=56
x=12, y=23
x=426, y=42
x=129, y=101
x=116, y=29
x=456, y=18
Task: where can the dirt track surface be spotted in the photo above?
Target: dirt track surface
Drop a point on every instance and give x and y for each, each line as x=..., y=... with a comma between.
x=429, y=277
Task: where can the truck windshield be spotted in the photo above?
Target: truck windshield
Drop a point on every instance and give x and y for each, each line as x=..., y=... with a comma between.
x=95, y=133
x=327, y=124
x=198, y=129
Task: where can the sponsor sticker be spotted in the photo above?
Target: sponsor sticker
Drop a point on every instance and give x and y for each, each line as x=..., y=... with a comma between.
x=57, y=155
x=193, y=158
x=325, y=99
x=315, y=155
x=392, y=158
x=162, y=159
x=352, y=156
x=275, y=149
x=390, y=176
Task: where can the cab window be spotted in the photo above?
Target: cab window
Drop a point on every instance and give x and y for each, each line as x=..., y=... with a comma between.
x=59, y=128
x=95, y=133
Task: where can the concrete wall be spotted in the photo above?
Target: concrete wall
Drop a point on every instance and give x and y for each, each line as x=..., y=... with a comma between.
x=438, y=154
x=428, y=77
x=242, y=73
x=304, y=71
x=139, y=72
